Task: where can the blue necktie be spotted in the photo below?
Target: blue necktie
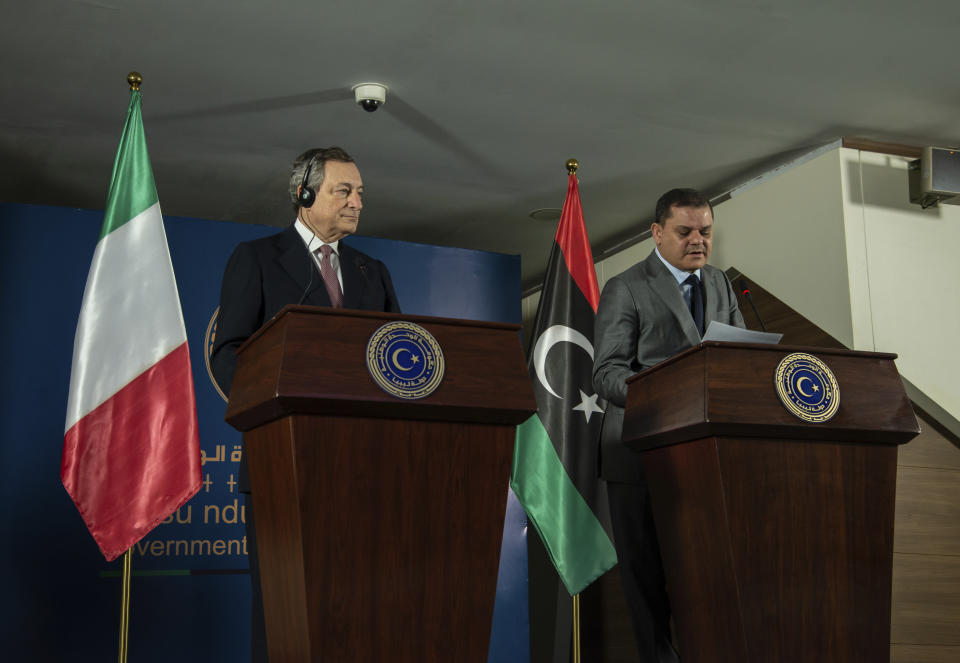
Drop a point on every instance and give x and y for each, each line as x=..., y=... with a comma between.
x=696, y=301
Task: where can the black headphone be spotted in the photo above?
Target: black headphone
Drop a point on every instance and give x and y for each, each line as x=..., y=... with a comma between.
x=306, y=196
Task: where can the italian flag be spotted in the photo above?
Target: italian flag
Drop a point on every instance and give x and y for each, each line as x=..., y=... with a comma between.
x=131, y=453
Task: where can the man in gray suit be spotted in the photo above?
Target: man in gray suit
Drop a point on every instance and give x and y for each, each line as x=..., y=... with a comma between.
x=652, y=311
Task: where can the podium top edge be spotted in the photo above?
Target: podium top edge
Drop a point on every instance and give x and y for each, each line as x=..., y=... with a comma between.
x=761, y=347
x=299, y=309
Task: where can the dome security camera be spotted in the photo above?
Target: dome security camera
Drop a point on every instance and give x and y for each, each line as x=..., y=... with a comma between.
x=370, y=96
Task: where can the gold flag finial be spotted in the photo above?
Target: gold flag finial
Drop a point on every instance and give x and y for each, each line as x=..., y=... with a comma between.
x=134, y=79
x=572, y=165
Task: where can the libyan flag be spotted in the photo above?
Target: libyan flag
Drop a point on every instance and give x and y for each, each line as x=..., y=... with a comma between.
x=131, y=454
x=555, y=455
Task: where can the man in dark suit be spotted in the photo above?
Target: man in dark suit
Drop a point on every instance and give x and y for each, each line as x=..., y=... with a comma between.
x=293, y=267
x=305, y=264
x=649, y=313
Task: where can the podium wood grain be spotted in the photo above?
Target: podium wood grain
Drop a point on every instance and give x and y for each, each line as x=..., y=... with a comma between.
x=379, y=520
x=776, y=534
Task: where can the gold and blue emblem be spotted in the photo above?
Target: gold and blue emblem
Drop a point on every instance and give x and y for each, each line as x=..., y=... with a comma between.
x=807, y=387
x=405, y=360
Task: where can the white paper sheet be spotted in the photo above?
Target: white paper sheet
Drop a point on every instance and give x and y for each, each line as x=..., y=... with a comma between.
x=717, y=331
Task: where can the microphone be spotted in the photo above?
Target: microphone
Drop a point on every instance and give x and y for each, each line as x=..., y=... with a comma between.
x=361, y=264
x=745, y=291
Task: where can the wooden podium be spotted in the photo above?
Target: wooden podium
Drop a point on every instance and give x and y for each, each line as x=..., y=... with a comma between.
x=776, y=534
x=379, y=520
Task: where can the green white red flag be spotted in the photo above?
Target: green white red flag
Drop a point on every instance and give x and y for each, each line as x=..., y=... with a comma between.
x=131, y=452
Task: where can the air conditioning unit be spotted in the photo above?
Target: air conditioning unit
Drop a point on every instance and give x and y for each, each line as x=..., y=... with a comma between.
x=935, y=177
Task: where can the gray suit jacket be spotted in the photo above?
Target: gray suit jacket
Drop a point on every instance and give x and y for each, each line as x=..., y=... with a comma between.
x=642, y=320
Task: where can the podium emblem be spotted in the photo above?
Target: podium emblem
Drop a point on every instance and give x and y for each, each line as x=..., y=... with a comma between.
x=405, y=360
x=208, y=339
x=807, y=387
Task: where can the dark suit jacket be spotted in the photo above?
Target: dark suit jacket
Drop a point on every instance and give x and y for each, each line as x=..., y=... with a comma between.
x=267, y=274
x=642, y=320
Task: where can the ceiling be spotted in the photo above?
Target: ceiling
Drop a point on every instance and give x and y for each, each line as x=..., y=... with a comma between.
x=486, y=102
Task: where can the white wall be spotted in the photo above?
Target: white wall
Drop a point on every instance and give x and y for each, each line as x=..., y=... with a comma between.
x=908, y=302
x=619, y=262
x=787, y=234
x=838, y=239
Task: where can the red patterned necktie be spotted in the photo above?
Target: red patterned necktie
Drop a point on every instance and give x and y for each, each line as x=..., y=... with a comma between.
x=328, y=271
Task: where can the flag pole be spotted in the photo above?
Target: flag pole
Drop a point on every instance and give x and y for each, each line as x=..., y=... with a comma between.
x=134, y=79
x=572, y=165
x=125, y=605
x=560, y=500
x=576, y=628
x=121, y=385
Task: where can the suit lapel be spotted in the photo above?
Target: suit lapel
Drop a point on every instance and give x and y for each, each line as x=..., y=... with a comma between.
x=710, y=303
x=666, y=287
x=299, y=266
x=354, y=276
x=714, y=287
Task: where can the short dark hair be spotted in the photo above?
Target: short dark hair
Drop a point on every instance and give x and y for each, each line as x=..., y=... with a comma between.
x=679, y=198
x=319, y=156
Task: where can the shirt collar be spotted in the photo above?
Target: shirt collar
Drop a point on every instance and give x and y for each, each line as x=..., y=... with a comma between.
x=678, y=274
x=310, y=240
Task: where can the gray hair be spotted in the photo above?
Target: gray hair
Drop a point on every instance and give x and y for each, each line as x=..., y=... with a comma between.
x=316, y=158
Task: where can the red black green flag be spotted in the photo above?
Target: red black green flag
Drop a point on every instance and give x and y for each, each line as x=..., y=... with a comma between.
x=555, y=457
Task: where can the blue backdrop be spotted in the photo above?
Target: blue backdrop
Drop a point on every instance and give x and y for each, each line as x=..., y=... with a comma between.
x=190, y=593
